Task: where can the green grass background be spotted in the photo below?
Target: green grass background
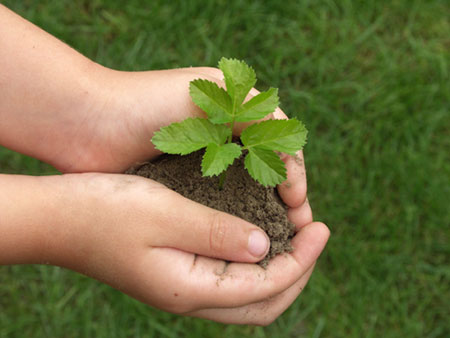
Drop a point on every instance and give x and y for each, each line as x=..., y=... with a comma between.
x=371, y=80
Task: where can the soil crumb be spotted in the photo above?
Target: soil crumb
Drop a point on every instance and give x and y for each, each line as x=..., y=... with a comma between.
x=241, y=195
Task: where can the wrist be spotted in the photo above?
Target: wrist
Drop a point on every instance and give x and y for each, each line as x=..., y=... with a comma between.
x=29, y=214
x=48, y=93
x=46, y=219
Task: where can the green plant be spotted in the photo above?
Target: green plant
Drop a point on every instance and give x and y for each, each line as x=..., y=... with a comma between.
x=225, y=107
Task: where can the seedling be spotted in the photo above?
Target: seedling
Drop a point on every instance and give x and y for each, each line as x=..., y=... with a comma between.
x=225, y=107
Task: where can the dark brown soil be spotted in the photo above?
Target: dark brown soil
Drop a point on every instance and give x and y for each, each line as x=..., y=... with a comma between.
x=241, y=195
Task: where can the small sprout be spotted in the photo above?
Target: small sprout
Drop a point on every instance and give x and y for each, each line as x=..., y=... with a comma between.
x=225, y=107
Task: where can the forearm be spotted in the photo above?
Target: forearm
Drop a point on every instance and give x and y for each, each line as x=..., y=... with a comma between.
x=46, y=89
x=28, y=218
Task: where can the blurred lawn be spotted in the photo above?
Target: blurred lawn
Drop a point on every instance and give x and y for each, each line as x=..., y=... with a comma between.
x=371, y=79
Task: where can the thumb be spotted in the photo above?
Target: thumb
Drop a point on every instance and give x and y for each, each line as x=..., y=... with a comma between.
x=195, y=228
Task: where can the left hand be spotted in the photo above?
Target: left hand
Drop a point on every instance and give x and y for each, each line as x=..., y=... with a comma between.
x=126, y=109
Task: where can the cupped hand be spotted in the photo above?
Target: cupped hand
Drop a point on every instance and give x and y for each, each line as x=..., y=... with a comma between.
x=126, y=110
x=167, y=251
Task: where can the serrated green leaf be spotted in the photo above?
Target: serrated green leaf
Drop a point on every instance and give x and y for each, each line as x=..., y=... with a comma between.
x=189, y=135
x=265, y=166
x=239, y=79
x=217, y=158
x=287, y=136
x=259, y=106
x=214, y=100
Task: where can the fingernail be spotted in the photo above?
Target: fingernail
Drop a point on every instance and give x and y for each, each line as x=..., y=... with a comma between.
x=258, y=243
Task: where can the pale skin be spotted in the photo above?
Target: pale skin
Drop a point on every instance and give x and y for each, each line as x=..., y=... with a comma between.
x=92, y=123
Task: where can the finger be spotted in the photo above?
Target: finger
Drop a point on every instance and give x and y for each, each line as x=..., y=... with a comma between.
x=301, y=215
x=311, y=249
x=261, y=313
x=193, y=227
x=210, y=283
x=283, y=270
x=293, y=190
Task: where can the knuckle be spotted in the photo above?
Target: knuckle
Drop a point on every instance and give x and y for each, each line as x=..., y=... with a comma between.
x=215, y=72
x=306, y=208
x=217, y=233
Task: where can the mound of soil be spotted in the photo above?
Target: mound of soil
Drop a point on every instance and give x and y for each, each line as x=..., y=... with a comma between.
x=241, y=195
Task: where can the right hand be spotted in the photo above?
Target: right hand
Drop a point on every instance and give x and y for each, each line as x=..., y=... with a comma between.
x=158, y=247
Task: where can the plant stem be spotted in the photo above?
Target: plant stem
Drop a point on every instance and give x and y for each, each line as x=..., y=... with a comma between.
x=222, y=177
x=233, y=112
x=229, y=140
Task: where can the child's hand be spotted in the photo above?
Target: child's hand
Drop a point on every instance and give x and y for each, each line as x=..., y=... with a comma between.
x=115, y=133
x=153, y=244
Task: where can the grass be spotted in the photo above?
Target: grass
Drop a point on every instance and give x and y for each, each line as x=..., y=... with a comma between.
x=371, y=79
